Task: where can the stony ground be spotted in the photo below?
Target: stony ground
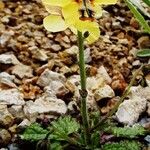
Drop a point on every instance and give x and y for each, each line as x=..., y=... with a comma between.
x=39, y=74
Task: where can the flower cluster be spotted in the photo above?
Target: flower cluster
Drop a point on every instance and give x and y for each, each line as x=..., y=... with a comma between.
x=75, y=14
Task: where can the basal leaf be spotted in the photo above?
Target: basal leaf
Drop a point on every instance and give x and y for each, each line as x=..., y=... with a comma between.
x=63, y=127
x=147, y=2
x=122, y=145
x=138, y=16
x=143, y=53
x=34, y=133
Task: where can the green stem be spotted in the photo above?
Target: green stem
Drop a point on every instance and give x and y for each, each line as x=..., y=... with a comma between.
x=83, y=91
x=126, y=92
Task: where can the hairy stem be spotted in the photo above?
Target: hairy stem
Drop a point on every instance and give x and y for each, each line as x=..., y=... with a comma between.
x=83, y=91
x=126, y=92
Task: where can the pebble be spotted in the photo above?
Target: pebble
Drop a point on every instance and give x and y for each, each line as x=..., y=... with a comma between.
x=129, y=111
x=7, y=79
x=6, y=119
x=48, y=76
x=44, y=104
x=102, y=72
x=5, y=137
x=11, y=96
x=8, y=59
x=22, y=71
x=104, y=92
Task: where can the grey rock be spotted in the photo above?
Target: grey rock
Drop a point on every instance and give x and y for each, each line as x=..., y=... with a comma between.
x=11, y=96
x=7, y=79
x=102, y=72
x=4, y=136
x=129, y=111
x=8, y=59
x=44, y=104
x=16, y=111
x=48, y=76
x=6, y=119
x=104, y=92
x=22, y=71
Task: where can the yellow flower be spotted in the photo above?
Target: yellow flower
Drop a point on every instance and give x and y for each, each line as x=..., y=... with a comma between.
x=76, y=15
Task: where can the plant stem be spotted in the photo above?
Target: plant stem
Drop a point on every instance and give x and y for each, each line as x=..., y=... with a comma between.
x=83, y=91
x=126, y=92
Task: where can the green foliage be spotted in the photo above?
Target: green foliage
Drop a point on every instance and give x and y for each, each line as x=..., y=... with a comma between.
x=138, y=16
x=127, y=132
x=144, y=53
x=34, y=133
x=63, y=127
x=122, y=145
x=147, y=2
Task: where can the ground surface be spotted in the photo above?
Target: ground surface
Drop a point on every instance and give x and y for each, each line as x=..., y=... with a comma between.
x=39, y=70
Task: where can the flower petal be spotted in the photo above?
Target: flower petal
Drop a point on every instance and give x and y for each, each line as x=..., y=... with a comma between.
x=60, y=3
x=98, y=11
x=54, y=23
x=54, y=10
x=71, y=12
x=91, y=27
x=105, y=2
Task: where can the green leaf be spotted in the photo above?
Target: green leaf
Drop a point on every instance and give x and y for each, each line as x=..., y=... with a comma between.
x=56, y=146
x=63, y=127
x=147, y=2
x=143, y=53
x=34, y=133
x=95, y=140
x=127, y=132
x=122, y=145
x=138, y=16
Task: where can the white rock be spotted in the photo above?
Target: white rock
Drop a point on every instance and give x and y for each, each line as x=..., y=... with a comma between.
x=11, y=96
x=22, y=71
x=53, y=88
x=8, y=59
x=24, y=124
x=129, y=111
x=140, y=91
x=6, y=119
x=87, y=55
x=93, y=83
x=104, y=92
x=38, y=54
x=102, y=72
x=7, y=79
x=72, y=50
x=48, y=76
x=44, y=104
x=16, y=111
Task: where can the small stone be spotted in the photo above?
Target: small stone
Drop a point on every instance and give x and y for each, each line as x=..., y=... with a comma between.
x=11, y=96
x=44, y=104
x=129, y=111
x=54, y=87
x=5, y=137
x=38, y=54
x=56, y=47
x=102, y=72
x=24, y=124
x=16, y=111
x=48, y=76
x=104, y=92
x=6, y=119
x=8, y=59
x=87, y=55
x=22, y=71
x=13, y=128
x=7, y=79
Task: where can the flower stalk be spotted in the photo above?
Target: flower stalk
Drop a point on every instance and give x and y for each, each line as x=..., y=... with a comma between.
x=83, y=91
